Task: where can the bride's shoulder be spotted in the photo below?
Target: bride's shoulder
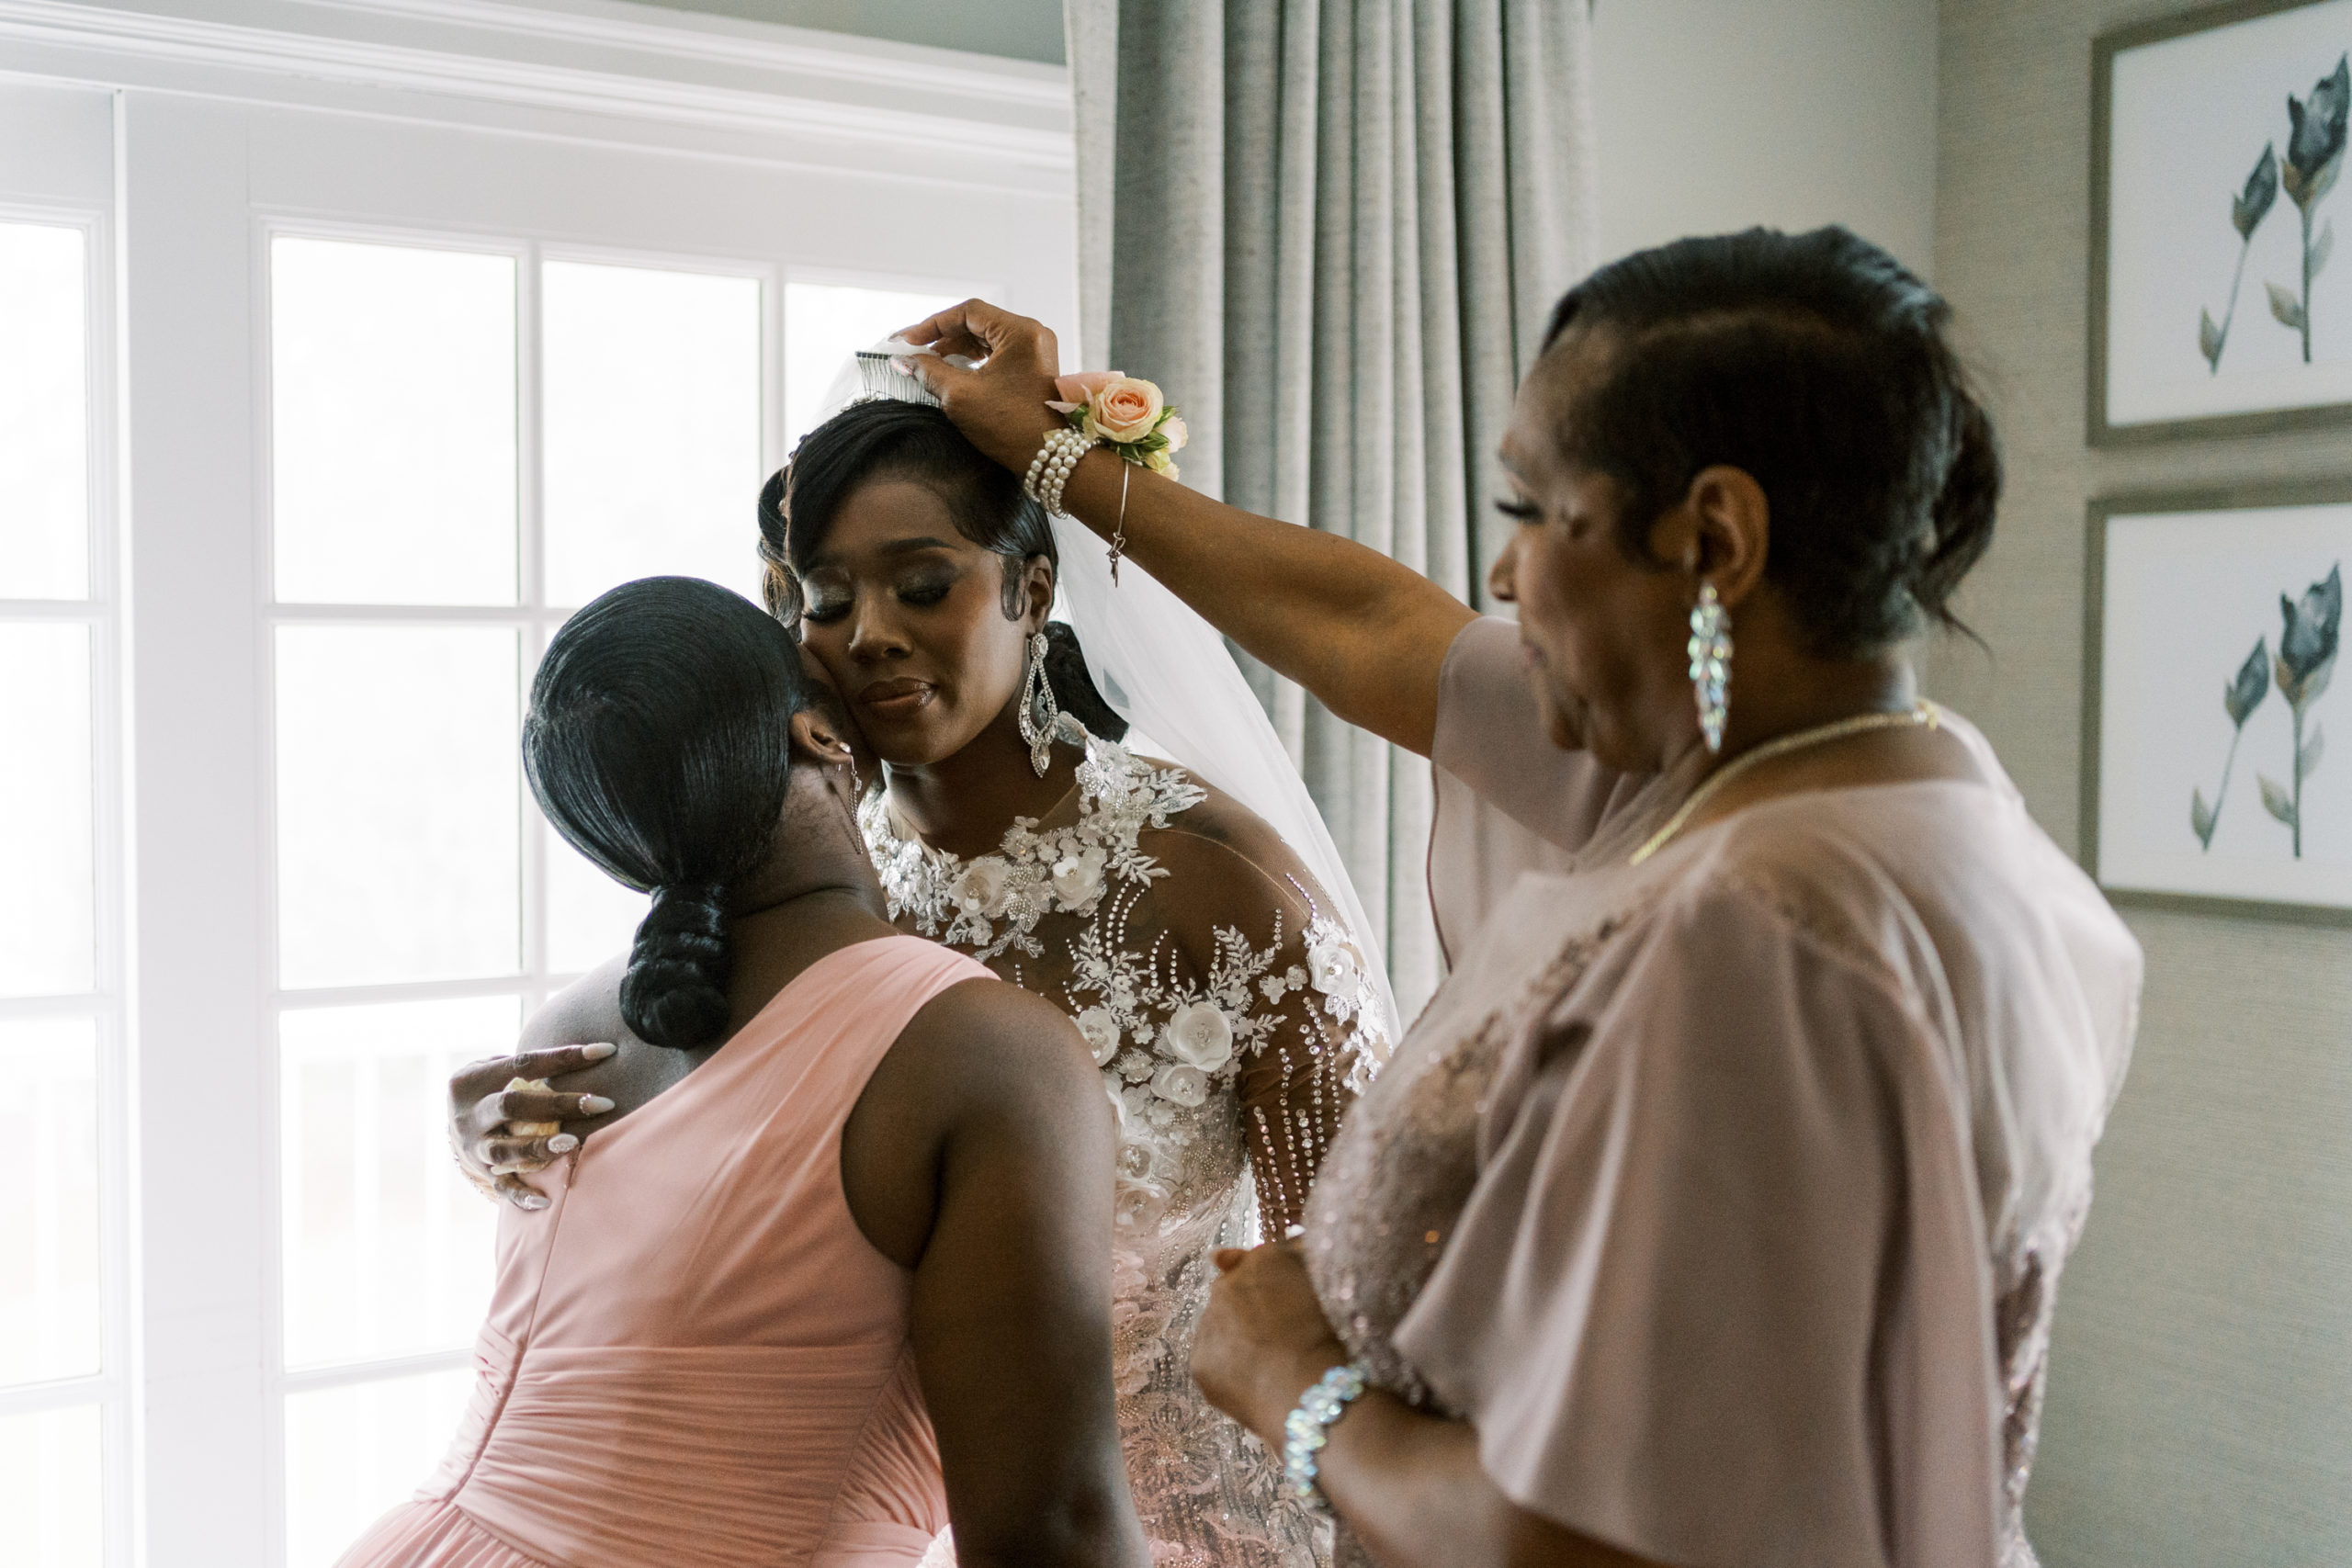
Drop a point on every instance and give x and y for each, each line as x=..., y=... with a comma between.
x=1226, y=857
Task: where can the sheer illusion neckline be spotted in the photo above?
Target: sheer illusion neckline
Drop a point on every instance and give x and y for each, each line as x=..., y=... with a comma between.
x=726, y=1055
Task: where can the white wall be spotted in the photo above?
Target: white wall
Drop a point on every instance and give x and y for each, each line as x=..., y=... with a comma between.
x=1719, y=114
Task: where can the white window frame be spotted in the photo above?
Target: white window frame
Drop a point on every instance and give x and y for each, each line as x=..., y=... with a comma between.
x=209, y=119
x=99, y=613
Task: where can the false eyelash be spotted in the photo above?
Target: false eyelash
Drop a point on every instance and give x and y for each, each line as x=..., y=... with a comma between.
x=1520, y=511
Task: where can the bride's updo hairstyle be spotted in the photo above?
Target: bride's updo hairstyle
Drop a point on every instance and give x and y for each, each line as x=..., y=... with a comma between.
x=884, y=439
x=659, y=742
x=1820, y=366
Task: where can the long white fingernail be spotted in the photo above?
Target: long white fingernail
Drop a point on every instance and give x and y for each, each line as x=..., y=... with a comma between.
x=534, y=1203
x=562, y=1143
x=594, y=1105
x=599, y=1051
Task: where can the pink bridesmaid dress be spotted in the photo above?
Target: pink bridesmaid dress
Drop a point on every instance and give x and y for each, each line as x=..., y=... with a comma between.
x=693, y=1355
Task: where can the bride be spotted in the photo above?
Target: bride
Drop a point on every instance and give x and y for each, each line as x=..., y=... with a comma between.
x=1232, y=1008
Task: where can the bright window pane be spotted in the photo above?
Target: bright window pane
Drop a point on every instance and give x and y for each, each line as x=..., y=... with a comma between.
x=44, y=415
x=653, y=427
x=49, y=1466
x=398, y=804
x=590, y=916
x=824, y=323
x=353, y=1452
x=393, y=424
x=388, y=1251
x=46, y=919
x=49, y=1309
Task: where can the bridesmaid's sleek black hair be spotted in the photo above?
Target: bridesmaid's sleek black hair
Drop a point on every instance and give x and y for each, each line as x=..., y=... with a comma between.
x=887, y=439
x=659, y=742
x=1821, y=366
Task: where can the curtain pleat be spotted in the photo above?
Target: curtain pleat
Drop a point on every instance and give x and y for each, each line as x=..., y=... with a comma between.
x=1332, y=230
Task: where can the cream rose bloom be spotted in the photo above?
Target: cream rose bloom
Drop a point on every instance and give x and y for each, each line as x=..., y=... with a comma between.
x=1137, y=1207
x=1102, y=1033
x=981, y=890
x=1125, y=409
x=1180, y=1084
x=1199, y=1035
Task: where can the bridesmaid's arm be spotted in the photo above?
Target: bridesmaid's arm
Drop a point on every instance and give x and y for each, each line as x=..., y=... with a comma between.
x=979, y=1156
x=1365, y=635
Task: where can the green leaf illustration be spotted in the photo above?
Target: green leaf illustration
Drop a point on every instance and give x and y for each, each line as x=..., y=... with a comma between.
x=2244, y=694
x=2275, y=799
x=2307, y=760
x=2208, y=338
x=2200, y=818
x=2322, y=246
x=2286, y=307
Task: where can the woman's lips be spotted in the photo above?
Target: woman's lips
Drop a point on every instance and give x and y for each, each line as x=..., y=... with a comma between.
x=895, y=699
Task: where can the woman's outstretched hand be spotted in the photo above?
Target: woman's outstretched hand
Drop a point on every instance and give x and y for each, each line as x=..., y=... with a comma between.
x=482, y=1110
x=1262, y=1340
x=1001, y=406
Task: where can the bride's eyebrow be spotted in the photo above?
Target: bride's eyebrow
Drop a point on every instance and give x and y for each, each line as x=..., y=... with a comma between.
x=911, y=546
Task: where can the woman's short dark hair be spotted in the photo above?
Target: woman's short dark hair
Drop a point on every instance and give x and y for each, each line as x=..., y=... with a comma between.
x=1820, y=366
x=885, y=439
x=659, y=742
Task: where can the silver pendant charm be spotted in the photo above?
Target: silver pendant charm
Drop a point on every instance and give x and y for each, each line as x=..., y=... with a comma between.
x=1711, y=664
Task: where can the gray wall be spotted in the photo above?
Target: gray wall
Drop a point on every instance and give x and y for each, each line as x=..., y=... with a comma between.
x=1717, y=114
x=1017, y=29
x=2200, y=1393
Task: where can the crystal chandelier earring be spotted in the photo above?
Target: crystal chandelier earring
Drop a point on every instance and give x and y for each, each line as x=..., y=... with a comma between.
x=1039, y=712
x=1711, y=664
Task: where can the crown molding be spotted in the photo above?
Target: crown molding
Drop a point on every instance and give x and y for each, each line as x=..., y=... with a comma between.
x=605, y=60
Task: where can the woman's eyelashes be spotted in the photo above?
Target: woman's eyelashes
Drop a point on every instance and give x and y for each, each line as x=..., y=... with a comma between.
x=825, y=605
x=1520, y=511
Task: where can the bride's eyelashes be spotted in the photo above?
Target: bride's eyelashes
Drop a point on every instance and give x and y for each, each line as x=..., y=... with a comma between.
x=823, y=607
x=1520, y=511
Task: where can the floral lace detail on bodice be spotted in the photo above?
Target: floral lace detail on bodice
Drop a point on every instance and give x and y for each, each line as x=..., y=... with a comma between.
x=1253, y=1042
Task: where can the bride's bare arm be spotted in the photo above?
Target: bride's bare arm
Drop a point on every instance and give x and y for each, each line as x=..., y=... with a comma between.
x=1365, y=635
x=979, y=1156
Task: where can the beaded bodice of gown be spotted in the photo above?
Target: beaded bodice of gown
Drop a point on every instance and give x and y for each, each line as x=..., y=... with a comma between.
x=1231, y=1019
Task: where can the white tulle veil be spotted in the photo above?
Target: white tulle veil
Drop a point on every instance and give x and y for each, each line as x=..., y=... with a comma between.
x=1168, y=674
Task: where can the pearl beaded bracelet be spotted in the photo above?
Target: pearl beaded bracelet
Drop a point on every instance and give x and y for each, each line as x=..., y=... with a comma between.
x=1049, y=471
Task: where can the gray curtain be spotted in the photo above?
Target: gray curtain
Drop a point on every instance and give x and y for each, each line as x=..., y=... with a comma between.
x=1332, y=230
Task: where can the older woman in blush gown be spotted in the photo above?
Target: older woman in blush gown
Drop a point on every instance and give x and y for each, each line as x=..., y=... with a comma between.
x=1713, y=1215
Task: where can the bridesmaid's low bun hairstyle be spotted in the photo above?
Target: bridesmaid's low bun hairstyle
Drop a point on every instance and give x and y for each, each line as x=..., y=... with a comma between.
x=659, y=742
x=1822, y=368
x=884, y=439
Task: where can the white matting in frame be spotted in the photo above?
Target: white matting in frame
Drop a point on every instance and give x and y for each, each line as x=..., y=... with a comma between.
x=2215, y=195
x=2214, y=633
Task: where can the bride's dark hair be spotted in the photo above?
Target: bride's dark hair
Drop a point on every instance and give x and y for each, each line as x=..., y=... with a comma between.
x=885, y=439
x=659, y=742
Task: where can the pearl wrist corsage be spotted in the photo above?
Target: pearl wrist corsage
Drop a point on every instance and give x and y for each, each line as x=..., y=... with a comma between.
x=1307, y=1430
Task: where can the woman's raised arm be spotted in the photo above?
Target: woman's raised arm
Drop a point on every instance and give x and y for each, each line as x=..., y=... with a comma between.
x=1366, y=636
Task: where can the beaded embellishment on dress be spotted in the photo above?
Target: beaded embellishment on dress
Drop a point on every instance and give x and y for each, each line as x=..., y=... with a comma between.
x=1081, y=915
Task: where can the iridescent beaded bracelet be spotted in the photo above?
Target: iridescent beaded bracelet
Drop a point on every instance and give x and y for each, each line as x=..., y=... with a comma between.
x=1308, y=1427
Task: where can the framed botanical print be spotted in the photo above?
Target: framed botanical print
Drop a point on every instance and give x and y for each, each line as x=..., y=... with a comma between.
x=2214, y=621
x=2218, y=137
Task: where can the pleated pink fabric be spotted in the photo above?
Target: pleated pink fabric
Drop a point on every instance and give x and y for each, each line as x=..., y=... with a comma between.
x=693, y=1355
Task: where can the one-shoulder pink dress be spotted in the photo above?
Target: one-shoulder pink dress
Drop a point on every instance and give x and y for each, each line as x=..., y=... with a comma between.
x=693, y=1355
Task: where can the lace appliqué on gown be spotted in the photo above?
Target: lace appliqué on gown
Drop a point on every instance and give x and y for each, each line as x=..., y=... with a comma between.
x=1077, y=913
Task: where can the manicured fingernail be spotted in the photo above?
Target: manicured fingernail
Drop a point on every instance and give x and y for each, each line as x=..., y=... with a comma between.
x=594, y=1105
x=903, y=366
x=599, y=1051
x=534, y=1203
x=562, y=1143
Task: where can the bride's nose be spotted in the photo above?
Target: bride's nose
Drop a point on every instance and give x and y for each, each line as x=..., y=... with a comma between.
x=872, y=637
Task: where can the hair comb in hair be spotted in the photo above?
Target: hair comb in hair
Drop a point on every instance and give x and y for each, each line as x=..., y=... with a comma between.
x=877, y=377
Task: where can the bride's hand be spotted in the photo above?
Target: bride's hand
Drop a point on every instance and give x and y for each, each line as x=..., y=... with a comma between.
x=481, y=1106
x=999, y=407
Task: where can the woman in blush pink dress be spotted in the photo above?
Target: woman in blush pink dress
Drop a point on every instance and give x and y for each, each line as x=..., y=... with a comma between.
x=1714, y=1212
x=834, y=1269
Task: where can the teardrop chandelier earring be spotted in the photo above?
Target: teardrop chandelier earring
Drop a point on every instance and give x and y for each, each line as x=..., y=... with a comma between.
x=1040, y=714
x=1711, y=664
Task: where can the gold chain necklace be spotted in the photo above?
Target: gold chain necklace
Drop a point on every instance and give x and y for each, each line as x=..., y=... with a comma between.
x=1924, y=713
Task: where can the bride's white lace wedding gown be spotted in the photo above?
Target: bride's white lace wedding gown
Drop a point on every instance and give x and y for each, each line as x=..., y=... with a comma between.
x=1233, y=1023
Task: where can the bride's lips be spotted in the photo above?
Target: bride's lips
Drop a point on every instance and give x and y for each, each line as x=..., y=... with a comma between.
x=899, y=698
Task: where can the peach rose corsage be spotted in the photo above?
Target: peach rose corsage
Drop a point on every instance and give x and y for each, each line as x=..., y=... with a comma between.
x=1126, y=414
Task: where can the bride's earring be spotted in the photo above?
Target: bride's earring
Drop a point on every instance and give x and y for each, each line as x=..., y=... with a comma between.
x=1711, y=664
x=1039, y=712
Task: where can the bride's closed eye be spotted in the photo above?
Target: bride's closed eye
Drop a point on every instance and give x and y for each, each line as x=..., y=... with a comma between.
x=1518, y=510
